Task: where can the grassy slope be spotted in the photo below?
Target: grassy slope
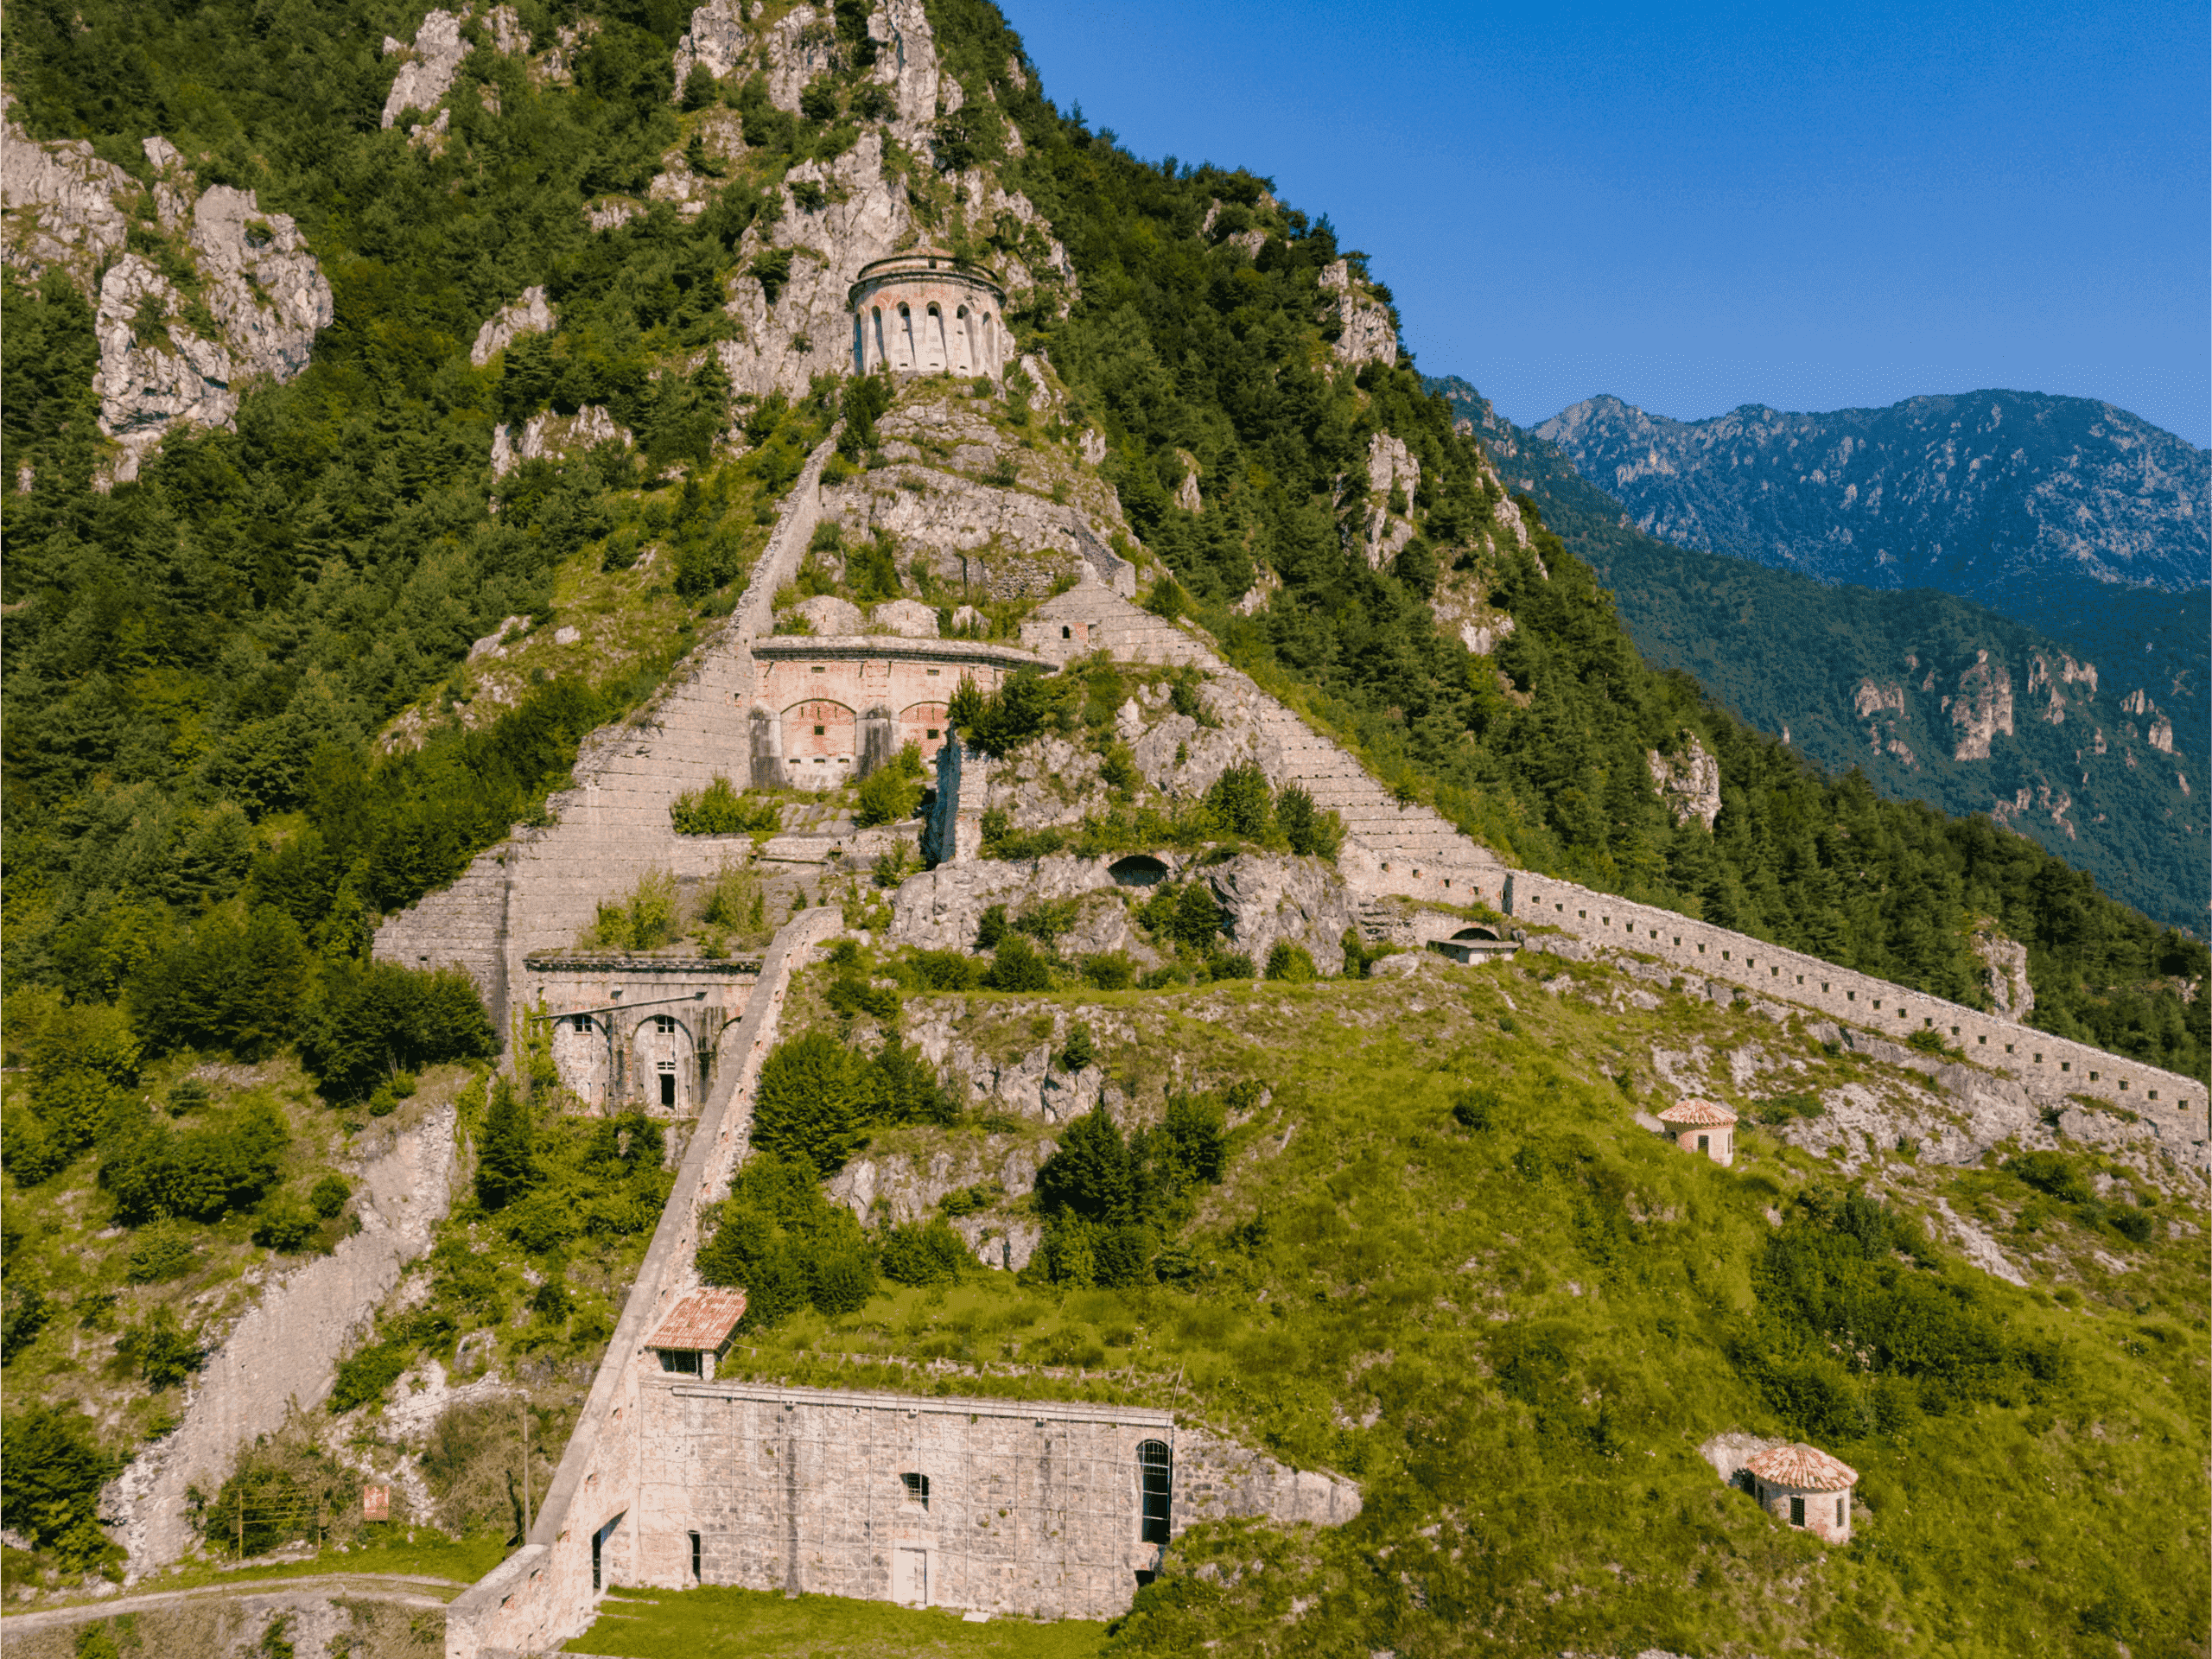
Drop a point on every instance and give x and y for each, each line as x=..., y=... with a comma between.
x=1403, y=1250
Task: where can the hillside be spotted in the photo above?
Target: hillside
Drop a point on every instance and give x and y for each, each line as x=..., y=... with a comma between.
x=462, y=613
x=2064, y=513
x=2071, y=752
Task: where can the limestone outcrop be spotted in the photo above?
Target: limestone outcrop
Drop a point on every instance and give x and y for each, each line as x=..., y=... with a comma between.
x=2006, y=962
x=1266, y=901
x=428, y=66
x=1688, y=782
x=1983, y=707
x=547, y=434
x=531, y=313
x=1369, y=333
x=1393, y=479
x=241, y=296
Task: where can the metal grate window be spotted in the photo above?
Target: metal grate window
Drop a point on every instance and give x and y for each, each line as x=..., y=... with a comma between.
x=918, y=1489
x=1158, y=1466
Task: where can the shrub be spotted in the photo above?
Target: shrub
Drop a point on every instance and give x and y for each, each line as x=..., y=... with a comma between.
x=160, y=1351
x=1015, y=966
x=235, y=981
x=1292, y=964
x=1093, y=1173
x=851, y=995
x=1239, y=802
x=997, y=722
x=887, y=796
x=203, y=1173
x=946, y=970
x=2053, y=1172
x=1309, y=831
x=51, y=1473
x=328, y=1196
x=368, y=1018
x=1192, y=1141
x=1110, y=970
x=811, y=1102
x=843, y=1282
x=2136, y=1226
x=737, y=900
x=644, y=921
x=161, y=1251
x=1228, y=964
x=365, y=1376
x=284, y=1226
x=1786, y=1108
x=928, y=1253
x=719, y=809
x=1474, y=1108
x=1079, y=1051
x=506, y=1158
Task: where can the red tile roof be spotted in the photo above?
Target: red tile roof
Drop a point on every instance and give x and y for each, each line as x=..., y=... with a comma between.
x=1802, y=1465
x=1698, y=1111
x=701, y=1322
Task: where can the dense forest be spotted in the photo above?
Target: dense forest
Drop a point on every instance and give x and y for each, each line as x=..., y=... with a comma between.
x=197, y=663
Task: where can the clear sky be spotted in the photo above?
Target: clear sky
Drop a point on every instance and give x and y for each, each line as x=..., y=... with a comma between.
x=1698, y=206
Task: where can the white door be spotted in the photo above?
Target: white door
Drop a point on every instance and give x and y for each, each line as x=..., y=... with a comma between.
x=910, y=1576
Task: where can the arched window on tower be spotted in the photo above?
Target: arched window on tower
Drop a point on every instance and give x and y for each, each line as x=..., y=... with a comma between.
x=876, y=313
x=990, y=364
x=963, y=352
x=903, y=339
x=933, y=345
x=1156, y=1463
x=860, y=346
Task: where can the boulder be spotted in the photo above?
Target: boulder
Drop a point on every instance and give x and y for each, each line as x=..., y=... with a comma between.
x=1269, y=901
x=830, y=617
x=909, y=618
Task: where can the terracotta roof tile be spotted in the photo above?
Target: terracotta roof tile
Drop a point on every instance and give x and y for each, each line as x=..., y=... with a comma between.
x=1697, y=1111
x=1802, y=1465
x=701, y=1322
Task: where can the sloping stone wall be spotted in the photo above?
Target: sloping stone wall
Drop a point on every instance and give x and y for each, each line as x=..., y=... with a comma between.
x=2172, y=1107
x=536, y=891
x=542, y=1594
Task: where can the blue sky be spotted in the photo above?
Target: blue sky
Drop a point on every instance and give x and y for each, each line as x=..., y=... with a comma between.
x=1699, y=206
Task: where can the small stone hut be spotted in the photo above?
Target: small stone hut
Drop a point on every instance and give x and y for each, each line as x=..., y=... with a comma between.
x=697, y=1333
x=1703, y=1126
x=1806, y=1487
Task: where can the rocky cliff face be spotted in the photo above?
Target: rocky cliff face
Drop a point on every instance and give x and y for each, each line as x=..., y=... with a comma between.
x=1933, y=697
x=209, y=292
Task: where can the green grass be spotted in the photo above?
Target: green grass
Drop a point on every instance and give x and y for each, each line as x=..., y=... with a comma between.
x=427, y=1554
x=721, y=1624
x=1407, y=1265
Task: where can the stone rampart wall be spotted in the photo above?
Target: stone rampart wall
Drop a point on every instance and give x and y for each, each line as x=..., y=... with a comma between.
x=2049, y=1067
x=542, y=1594
x=538, y=889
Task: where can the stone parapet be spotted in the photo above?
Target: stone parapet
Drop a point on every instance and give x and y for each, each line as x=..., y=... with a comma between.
x=2050, y=1068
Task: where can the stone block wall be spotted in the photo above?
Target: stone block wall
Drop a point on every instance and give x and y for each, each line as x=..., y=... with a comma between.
x=2050, y=1068
x=537, y=890
x=1031, y=1506
x=633, y=1033
x=542, y=1594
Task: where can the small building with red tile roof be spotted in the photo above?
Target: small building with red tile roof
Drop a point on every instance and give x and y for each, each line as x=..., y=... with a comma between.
x=1806, y=1487
x=697, y=1332
x=1703, y=1126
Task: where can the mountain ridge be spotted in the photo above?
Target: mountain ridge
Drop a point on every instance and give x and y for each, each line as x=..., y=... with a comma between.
x=1865, y=677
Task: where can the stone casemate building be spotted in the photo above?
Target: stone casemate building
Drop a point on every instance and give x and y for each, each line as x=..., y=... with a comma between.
x=829, y=711
x=924, y=312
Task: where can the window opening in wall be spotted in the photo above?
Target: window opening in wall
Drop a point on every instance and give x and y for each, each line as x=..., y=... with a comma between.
x=821, y=731
x=695, y=1558
x=1796, y=1511
x=582, y=1022
x=680, y=1361
x=668, y=1082
x=1157, y=1464
x=1839, y=1511
x=817, y=669
x=918, y=1489
x=932, y=732
x=664, y=1023
x=1067, y=634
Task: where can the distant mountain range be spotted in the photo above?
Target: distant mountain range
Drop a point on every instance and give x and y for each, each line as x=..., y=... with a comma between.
x=1933, y=697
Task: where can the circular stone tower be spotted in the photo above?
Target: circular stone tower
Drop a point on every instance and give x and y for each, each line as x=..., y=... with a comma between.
x=924, y=312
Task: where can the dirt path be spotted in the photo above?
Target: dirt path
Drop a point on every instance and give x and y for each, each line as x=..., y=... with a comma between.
x=406, y=1589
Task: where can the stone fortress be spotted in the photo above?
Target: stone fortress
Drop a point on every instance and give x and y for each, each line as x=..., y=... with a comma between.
x=675, y=1477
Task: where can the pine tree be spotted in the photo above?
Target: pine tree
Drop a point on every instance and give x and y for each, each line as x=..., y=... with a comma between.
x=506, y=1163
